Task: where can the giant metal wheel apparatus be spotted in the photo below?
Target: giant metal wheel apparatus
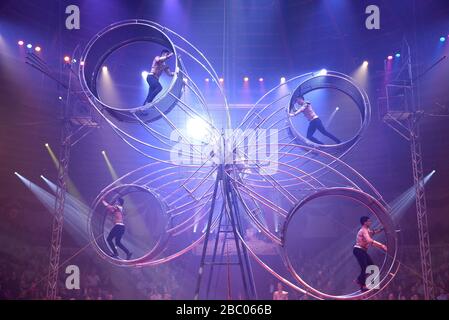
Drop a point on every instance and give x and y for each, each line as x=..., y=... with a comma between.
x=263, y=193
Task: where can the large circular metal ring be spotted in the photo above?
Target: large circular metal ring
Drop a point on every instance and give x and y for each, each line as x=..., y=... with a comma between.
x=390, y=264
x=97, y=220
x=109, y=40
x=343, y=83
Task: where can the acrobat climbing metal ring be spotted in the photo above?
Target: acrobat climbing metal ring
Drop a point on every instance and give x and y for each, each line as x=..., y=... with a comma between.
x=97, y=220
x=111, y=39
x=343, y=83
x=390, y=264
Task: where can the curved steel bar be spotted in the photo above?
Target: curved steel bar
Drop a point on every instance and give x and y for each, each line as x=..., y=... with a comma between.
x=251, y=111
x=256, y=221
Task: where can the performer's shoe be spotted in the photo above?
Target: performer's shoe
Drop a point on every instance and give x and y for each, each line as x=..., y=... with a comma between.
x=128, y=256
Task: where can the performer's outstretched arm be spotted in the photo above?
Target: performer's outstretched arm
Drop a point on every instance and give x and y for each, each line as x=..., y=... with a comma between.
x=169, y=72
x=301, y=109
x=373, y=242
x=105, y=203
x=376, y=231
x=164, y=58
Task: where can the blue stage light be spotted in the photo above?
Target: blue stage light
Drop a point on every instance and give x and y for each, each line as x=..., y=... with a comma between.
x=322, y=72
x=442, y=39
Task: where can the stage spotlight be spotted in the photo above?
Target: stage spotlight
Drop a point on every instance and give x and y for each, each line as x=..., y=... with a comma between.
x=60, y=98
x=37, y=49
x=104, y=68
x=111, y=169
x=221, y=80
x=283, y=80
x=442, y=39
x=67, y=59
x=207, y=80
x=246, y=79
x=433, y=171
x=15, y=172
x=322, y=72
x=29, y=46
x=337, y=108
x=20, y=43
x=365, y=63
x=42, y=177
x=390, y=57
x=47, y=145
x=81, y=63
x=145, y=74
x=73, y=60
x=398, y=55
x=198, y=129
x=260, y=79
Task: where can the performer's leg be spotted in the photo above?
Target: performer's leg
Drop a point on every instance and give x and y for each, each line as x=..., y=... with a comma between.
x=322, y=129
x=369, y=262
x=158, y=88
x=150, y=90
x=111, y=236
x=311, y=130
x=361, y=257
x=119, y=243
x=155, y=88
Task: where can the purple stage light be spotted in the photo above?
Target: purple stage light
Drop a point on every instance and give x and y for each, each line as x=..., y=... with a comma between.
x=246, y=79
x=20, y=43
x=37, y=49
x=390, y=57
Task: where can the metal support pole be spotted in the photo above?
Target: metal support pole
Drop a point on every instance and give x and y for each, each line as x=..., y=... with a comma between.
x=58, y=220
x=406, y=123
x=421, y=211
